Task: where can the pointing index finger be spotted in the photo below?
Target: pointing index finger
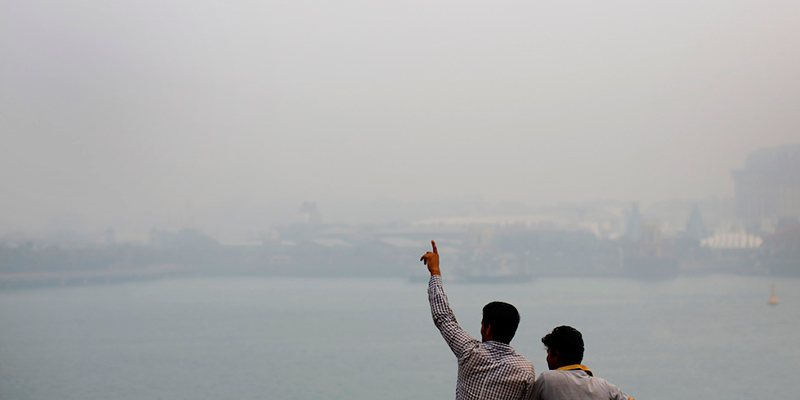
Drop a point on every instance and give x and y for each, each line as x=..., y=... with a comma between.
x=434, y=247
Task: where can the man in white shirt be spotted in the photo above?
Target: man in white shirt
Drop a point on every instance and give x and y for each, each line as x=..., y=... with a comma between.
x=567, y=379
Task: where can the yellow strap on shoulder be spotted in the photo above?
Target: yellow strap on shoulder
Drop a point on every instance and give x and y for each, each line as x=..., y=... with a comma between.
x=575, y=367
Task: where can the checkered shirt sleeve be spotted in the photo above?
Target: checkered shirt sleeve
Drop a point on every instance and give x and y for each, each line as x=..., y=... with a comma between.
x=486, y=371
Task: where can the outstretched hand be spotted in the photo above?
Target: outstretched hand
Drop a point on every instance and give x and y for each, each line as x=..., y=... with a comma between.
x=431, y=259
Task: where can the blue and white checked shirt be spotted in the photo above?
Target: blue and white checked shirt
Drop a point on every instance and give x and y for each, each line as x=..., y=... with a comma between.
x=486, y=371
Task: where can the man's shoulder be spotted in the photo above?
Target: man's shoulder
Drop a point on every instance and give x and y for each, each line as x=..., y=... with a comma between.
x=577, y=380
x=518, y=358
x=502, y=354
x=556, y=375
x=521, y=363
x=517, y=361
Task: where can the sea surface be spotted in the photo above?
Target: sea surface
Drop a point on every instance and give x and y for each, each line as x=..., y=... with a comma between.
x=712, y=337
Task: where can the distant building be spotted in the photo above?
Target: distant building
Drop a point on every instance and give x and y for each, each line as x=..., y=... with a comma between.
x=647, y=253
x=309, y=214
x=780, y=252
x=768, y=188
x=633, y=230
x=735, y=251
x=736, y=241
x=651, y=243
x=695, y=226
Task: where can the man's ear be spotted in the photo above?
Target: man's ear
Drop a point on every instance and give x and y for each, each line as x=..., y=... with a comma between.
x=552, y=359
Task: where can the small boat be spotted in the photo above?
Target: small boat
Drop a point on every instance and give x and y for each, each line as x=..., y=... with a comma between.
x=773, y=300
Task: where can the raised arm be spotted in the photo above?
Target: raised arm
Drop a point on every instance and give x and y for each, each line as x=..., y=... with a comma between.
x=460, y=341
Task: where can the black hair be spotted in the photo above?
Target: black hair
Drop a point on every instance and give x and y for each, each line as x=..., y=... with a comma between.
x=568, y=342
x=504, y=320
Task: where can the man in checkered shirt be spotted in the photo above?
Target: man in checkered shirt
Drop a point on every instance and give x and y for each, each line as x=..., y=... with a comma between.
x=489, y=369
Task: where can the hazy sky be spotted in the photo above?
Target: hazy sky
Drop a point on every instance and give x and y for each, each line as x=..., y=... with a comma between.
x=130, y=110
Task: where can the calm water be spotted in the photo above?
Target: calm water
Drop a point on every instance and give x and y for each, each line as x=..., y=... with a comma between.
x=711, y=337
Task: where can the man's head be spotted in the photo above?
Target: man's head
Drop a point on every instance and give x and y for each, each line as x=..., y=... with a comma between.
x=564, y=347
x=500, y=322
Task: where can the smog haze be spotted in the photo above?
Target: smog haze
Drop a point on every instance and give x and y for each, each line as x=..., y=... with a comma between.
x=229, y=115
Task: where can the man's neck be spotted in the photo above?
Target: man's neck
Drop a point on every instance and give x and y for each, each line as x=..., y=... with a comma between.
x=575, y=367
